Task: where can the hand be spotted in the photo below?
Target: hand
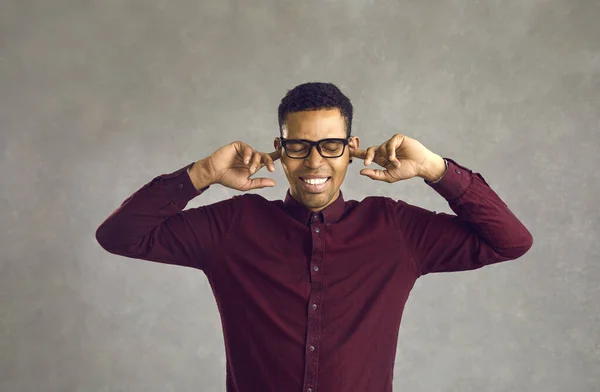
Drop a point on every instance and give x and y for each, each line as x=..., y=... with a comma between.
x=233, y=164
x=402, y=157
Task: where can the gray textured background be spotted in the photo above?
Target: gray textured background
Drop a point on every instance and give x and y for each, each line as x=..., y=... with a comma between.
x=97, y=98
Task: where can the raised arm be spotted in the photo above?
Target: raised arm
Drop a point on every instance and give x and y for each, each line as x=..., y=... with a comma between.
x=484, y=230
x=151, y=224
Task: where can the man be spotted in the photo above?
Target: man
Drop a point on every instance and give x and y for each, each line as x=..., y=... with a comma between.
x=311, y=289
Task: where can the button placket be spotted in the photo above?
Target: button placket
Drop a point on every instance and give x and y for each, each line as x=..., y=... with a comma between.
x=313, y=335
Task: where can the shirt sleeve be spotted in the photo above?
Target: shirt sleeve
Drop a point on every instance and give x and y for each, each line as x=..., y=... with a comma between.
x=151, y=224
x=484, y=231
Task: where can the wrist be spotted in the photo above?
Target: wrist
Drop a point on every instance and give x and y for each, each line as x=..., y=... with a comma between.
x=199, y=174
x=434, y=168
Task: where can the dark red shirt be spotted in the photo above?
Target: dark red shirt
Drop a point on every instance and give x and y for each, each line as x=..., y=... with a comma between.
x=312, y=302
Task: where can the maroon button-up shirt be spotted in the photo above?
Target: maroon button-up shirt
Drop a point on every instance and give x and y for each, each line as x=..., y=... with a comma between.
x=312, y=302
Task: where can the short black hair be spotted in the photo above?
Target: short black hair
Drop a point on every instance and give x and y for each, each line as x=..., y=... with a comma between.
x=315, y=96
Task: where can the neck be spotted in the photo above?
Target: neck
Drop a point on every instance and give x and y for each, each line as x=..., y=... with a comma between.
x=317, y=209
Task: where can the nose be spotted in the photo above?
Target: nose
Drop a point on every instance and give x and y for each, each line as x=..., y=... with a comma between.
x=314, y=159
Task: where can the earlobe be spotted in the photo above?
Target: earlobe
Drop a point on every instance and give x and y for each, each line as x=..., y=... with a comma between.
x=354, y=143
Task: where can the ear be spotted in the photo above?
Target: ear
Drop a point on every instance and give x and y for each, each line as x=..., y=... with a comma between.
x=354, y=142
x=277, y=144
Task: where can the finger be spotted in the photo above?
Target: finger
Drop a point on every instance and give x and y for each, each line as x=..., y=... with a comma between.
x=268, y=161
x=388, y=154
x=246, y=153
x=355, y=152
x=275, y=155
x=378, y=175
x=383, y=152
x=370, y=155
x=255, y=162
x=256, y=183
x=393, y=145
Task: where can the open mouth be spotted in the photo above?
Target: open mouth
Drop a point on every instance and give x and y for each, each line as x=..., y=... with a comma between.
x=314, y=184
x=315, y=181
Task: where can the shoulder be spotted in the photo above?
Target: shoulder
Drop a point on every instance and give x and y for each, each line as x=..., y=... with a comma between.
x=371, y=206
x=379, y=201
x=393, y=210
x=241, y=206
x=256, y=200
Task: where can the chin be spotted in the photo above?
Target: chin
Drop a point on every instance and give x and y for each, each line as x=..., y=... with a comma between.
x=316, y=200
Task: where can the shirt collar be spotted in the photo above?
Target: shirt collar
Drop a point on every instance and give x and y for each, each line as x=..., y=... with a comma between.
x=332, y=213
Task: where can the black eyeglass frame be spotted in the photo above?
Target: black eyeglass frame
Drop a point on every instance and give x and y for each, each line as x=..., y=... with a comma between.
x=316, y=144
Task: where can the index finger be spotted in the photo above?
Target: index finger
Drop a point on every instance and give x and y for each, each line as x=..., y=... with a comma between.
x=355, y=152
x=268, y=161
x=274, y=155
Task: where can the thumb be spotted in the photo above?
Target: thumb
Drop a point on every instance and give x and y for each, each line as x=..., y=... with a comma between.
x=256, y=183
x=378, y=175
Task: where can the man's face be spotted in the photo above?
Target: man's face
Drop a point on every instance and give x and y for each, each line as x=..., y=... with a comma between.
x=313, y=126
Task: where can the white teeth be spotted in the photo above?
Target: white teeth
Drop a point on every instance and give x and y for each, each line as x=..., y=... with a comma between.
x=315, y=181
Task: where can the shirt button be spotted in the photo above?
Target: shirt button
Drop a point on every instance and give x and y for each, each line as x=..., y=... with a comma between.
x=180, y=186
x=312, y=348
x=317, y=230
x=316, y=268
x=457, y=171
x=309, y=390
x=314, y=306
x=315, y=217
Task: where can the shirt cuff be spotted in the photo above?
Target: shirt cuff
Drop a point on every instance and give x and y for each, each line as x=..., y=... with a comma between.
x=454, y=182
x=179, y=185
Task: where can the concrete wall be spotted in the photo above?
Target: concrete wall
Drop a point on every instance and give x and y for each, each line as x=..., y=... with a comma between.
x=97, y=98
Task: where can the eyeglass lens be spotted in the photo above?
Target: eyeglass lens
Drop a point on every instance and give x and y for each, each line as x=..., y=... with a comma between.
x=329, y=148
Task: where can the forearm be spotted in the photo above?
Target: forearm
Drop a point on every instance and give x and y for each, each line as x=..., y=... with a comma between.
x=475, y=202
x=166, y=195
x=484, y=231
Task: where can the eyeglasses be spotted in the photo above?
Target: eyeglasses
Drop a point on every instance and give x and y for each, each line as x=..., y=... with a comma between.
x=301, y=148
